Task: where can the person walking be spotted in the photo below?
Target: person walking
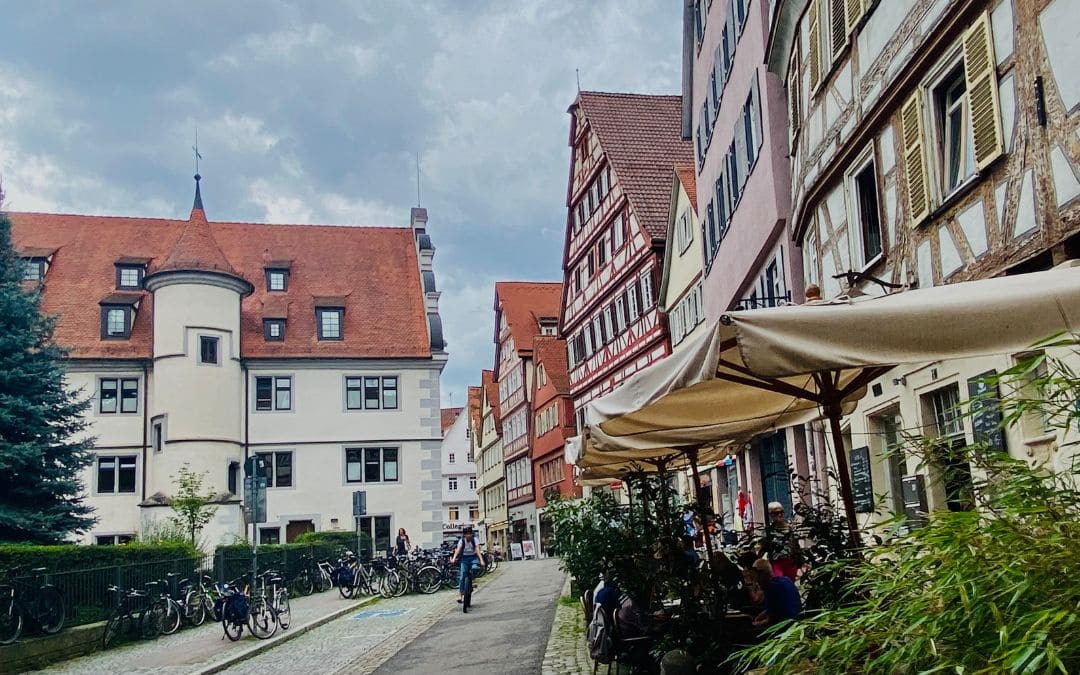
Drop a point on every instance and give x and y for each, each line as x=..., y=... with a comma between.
x=402, y=543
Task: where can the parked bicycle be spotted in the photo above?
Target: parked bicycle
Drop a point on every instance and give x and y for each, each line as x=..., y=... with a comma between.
x=312, y=577
x=142, y=612
x=35, y=600
x=244, y=605
x=272, y=586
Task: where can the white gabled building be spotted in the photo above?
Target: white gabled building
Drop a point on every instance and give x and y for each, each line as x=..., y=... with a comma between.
x=461, y=506
x=319, y=348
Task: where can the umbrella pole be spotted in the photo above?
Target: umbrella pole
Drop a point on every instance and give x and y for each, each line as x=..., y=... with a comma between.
x=834, y=412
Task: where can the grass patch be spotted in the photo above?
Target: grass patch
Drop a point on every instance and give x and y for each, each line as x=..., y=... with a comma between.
x=568, y=601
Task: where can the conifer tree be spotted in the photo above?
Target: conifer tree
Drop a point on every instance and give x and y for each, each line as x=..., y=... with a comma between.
x=43, y=448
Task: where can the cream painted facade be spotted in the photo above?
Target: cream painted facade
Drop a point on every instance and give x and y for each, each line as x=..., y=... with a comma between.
x=898, y=175
x=680, y=285
x=208, y=421
x=492, y=478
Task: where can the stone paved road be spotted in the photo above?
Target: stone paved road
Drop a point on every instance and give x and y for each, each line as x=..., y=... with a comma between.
x=506, y=632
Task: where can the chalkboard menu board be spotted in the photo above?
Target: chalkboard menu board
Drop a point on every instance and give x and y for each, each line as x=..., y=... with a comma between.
x=986, y=412
x=862, y=483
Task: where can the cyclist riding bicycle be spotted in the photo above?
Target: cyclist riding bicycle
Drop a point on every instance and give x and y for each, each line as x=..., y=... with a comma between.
x=468, y=552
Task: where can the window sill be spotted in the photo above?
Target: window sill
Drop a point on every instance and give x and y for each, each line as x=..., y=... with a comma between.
x=949, y=201
x=1045, y=439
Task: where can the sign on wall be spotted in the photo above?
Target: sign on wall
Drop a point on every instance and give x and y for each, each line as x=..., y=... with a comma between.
x=986, y=412
x=862, y=481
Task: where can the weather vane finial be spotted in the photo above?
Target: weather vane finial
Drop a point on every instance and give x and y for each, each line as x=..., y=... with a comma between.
x=195, y=148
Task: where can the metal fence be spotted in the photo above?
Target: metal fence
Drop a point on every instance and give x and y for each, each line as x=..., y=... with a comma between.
x=86, y=591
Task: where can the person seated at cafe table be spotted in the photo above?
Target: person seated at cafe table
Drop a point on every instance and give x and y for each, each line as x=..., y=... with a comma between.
x=782, y=601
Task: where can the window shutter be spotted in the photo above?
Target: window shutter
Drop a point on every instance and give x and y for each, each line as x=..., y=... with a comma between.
x=815, y=45
x=837, y=27
x=980, y=71
x=911, y=117
x=853, y=11
x=794, y=102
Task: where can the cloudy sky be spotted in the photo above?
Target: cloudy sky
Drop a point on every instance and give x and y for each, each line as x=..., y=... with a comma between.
x=314, y=113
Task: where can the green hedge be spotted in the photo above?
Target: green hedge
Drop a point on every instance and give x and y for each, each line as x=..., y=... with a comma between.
x=70, y=557
x=343, y=540
x=233, y=561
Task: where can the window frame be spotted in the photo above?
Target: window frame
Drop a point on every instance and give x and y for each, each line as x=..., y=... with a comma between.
x=128, y=312
x=274, y=390
x=949, y=68
x=267, y=324
x=140, y=272
x=130, y=462
x=867, y=159
x=205, y=340
x=271, y=272
x=363, y=464
x=320, y=312
x=272, y=462
x=34, y=261
x=119, y=382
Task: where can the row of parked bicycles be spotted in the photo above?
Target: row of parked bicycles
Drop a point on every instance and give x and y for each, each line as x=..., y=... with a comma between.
x=259, y=602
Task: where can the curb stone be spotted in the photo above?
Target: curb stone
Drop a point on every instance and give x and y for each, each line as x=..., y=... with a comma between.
x=285, y=636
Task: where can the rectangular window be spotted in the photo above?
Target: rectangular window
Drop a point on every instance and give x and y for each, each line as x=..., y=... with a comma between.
x=371, y=465
x=620, y=315
x=115, y=322
x=329, y=321
x=617, y=235
x=208, y=349
x=390, y=393
x=951, y=116
x=277, y=280
x=945, y=405
x=279, y=468
x=274, y=330
x=116, y=474
x=129, y=276
x=33, y=269
x=472, y=482
x=867, y=211
x=451, y=483
x=646, y=291
x=269, y=535
x=157, y=435
x=371, y=393
x=632, y=303
x=601, y=252
x=118, y=395
x=273, y=393
x=454, y=513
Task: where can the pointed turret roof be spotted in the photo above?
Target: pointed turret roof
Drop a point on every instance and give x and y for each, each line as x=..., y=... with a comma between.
x=195, y=249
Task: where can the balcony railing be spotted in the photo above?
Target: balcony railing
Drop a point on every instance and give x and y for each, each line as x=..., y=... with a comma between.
x=762, y=301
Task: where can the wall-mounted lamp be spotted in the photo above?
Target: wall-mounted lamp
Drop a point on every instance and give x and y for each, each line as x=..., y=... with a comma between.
x=899, y=381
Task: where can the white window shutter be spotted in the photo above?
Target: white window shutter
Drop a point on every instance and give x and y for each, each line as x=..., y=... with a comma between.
x=980, y=71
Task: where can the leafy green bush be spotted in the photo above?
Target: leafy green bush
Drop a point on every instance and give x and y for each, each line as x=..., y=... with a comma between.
x=340, y=539
x=982, y=591
x=72, y=557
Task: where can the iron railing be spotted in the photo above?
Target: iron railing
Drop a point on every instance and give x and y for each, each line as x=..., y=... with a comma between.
x=762, y=301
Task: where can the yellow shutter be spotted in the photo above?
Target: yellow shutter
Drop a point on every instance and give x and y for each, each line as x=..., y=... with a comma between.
x=837, y=28
x=911, y=119
x=980, y=71
x=853, y=11
x=815, y=45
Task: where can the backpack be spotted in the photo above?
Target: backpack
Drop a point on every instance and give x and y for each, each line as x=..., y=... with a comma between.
x=601, y=644
x=235, y=610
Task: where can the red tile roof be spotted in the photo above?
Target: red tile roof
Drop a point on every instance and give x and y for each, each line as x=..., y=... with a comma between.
x=449, y=416
x=524, y=303
x=688, y=177
x=491, y=391
x=551, y=352
x=374, y=269
x=641, y=135
x=196, y=249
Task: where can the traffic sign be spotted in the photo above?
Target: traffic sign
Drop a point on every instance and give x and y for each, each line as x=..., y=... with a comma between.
x=359, y=503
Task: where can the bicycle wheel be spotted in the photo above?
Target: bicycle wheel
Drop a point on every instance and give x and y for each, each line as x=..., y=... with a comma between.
x=112, y=627
x=466, y=596
x=11, y=620
x=428, y=580
x=194, y=608
x=281, y=604
x=389, y=584
x=322, y=581
x=152, y=619
x=303, y=583
x=404, y=584
x=50, y=610
x=173, y=617
x=233, y=631
x=262, y=619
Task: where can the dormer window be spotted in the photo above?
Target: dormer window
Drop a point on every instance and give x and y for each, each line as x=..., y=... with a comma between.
x=115, y=322
x=277, y=280
x=330, y=322
x=129, y=276
x=33, y=269
x=274, y=330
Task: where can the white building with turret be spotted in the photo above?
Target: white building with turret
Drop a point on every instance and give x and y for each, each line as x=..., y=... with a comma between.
x=200, y=344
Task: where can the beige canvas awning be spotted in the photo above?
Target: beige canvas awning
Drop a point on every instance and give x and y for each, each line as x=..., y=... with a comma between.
x=760, y=370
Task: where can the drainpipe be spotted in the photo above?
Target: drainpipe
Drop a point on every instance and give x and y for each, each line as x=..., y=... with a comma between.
x=145, y=403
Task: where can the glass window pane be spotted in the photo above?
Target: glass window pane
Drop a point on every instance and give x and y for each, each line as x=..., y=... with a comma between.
x=106, y=474
x=264, y=393
x=382, y=533
x=353, y=465
x=126, y=480
x=283, y=393
x=371, y=465
x=107, y=400
x=129, y=277
x=389, y=393
x=390, y=464
x=116, y=323
x=371, y=393
x=330, y=322
x=129, y=393
x=268, y=467
x=283, y=469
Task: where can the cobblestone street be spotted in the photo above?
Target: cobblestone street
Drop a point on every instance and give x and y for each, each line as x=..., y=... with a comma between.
x=567, y=653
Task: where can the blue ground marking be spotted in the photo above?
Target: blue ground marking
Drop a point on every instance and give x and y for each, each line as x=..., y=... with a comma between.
x=381, y=613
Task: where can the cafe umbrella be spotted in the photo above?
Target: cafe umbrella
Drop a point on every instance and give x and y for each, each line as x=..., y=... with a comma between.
x=756, y=371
